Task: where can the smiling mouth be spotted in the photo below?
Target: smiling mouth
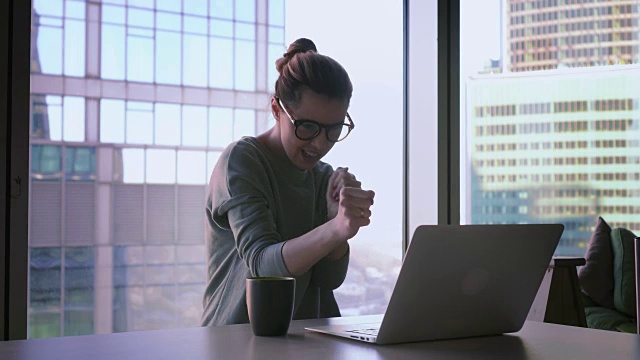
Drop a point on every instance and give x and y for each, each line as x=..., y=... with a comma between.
x=311, y=155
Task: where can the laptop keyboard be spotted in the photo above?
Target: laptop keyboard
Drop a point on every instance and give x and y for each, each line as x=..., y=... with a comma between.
x=372, y=332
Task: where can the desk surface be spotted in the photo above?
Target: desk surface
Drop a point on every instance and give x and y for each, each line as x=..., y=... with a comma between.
x=535, y=341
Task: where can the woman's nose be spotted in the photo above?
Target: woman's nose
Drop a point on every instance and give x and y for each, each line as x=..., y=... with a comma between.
x=320, y=141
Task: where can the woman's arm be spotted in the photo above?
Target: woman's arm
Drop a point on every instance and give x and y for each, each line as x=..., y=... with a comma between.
x=301, y=253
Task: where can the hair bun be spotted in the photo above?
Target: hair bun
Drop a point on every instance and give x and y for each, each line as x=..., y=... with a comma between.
x=299, y=46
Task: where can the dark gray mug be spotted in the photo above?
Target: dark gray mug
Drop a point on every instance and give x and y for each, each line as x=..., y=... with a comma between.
x=270, y=304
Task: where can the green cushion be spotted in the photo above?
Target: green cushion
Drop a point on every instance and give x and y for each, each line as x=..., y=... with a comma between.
x=599, y=317
x=627, y=328
x=624, y=271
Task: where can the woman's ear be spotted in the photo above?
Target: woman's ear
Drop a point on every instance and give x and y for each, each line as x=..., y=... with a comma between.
x=275, y=108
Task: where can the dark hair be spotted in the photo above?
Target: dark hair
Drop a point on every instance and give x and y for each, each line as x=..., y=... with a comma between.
x=302, y=67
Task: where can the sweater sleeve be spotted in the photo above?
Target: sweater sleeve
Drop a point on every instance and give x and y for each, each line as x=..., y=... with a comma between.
x=330, y=274
x=248, y=216
x=327, y=274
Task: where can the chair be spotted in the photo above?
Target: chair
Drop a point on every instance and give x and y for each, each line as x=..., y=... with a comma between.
x=637, y=248
x=610, y=280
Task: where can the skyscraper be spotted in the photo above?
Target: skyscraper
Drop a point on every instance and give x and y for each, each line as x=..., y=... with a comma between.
x=556, y=138
x=548, y=34
x=132, y=102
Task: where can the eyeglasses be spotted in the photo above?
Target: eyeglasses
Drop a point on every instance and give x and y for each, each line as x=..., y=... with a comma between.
x=309, y=129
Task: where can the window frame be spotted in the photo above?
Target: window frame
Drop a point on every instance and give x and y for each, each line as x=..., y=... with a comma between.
x=15, y=21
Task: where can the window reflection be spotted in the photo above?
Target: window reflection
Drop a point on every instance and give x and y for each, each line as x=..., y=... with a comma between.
x=112, y=58
x=244, y=123
x=167, y=124
x=245, y=73
x=46, y=162
x=221, y=9
x=161, y=166
x=192, y=166
x=221, y=63
x=80, y=164
x=194, y=125
x=154, y=146
x=246, y=10
x=139, y=122
x=220, y=126
x=132, y=166
x=194, y=64
x=74, y=118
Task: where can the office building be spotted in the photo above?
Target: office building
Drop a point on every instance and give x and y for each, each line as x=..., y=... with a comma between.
x=555, y=146
x=132, y=102
x=550, y=34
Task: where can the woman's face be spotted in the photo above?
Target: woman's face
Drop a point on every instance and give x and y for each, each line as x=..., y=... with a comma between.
x=312, y=106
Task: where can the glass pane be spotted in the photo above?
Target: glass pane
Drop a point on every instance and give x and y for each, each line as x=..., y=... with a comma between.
x=167, y=58
x=168, y=21
x=132, y=166
x=221, y=63
x=167, y=129
x=48, y=7
x=192, y=167
x=195, y=24
x=246, y=10
x=221, y=28
x=244, y=123
x=80, y=164
x=168, y=5
x=49, y=49
x=220, y=126
x=54, y=117
x=161, y=166
x=276, y=12
x=79, y=292
x=46, y=162
x=245, y=31
x=44, y=289
x=141, y=3
x=194, y=62
x=245, y=69
x=112, y=121
x=194, y=125
x=74, y=56
x=112, y=52
x=276, y=35
x=221, y=9
x=139, y=123
x=74, y=116
x=140, y=59
x=195, y=7
x=554, y=144
x=113, y=14
x=275, y=52
x=75, y=9
x=140, y=17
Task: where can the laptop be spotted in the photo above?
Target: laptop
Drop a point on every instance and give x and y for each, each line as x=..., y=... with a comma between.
x=461, y=281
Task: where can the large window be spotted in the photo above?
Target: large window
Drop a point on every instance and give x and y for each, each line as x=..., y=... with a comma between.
x=132, y=102
x=550, y=112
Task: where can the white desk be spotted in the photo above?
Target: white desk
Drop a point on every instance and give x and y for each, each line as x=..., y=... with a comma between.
x=536, y=340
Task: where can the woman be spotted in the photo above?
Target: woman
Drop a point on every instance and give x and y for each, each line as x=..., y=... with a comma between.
x=275, y=209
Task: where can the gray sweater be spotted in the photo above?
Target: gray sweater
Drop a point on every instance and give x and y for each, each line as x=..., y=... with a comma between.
x=255, y=202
